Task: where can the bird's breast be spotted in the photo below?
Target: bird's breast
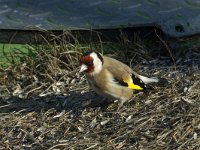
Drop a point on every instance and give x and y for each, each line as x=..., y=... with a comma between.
x=99, y=86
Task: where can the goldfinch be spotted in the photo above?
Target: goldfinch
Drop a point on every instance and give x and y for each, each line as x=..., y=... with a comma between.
x=111, y=78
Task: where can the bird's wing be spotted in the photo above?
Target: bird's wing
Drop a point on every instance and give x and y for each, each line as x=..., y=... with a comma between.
x=128, y=82
x=122, y=74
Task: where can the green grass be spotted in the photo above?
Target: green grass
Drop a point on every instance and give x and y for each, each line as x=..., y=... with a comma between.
x=12, y=53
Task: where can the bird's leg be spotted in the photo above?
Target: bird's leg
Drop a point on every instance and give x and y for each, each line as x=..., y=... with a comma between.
x=120, y=104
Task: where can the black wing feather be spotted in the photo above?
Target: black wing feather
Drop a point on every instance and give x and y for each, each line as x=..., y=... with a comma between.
x=120, y=82
x=139, y=82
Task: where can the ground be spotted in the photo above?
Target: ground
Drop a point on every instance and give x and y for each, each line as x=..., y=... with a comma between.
x=46, y=104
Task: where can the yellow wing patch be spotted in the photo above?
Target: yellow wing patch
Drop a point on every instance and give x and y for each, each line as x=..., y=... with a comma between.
x=131, y=84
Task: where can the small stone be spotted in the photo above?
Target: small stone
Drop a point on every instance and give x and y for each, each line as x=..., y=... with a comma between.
x=195, y=136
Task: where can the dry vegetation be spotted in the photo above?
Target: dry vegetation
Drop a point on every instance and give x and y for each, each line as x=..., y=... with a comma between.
x=46, y=104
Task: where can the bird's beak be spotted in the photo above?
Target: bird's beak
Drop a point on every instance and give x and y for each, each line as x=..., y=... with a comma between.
x=83, y=68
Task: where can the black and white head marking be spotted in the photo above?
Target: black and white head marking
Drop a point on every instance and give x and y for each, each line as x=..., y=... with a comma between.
x=97, y=61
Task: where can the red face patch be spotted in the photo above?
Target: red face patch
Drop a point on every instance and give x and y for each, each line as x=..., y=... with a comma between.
x=88, y=61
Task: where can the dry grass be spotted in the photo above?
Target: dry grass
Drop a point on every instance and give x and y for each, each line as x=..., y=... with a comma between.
x=46, y=104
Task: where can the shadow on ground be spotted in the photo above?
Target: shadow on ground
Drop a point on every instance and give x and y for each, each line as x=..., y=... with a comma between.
x=74, y=101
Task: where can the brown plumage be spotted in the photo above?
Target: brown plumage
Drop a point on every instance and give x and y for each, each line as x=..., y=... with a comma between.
x=111, y=78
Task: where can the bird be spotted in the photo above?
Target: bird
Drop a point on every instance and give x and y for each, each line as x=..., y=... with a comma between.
x=111, y=78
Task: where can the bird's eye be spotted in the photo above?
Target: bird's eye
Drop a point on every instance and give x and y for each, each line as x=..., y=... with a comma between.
x=90, y=63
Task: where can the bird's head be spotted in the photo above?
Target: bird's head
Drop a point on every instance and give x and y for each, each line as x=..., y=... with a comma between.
x=91, y=63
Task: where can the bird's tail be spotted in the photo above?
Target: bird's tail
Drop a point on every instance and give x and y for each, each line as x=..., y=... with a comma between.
x=150, y=80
